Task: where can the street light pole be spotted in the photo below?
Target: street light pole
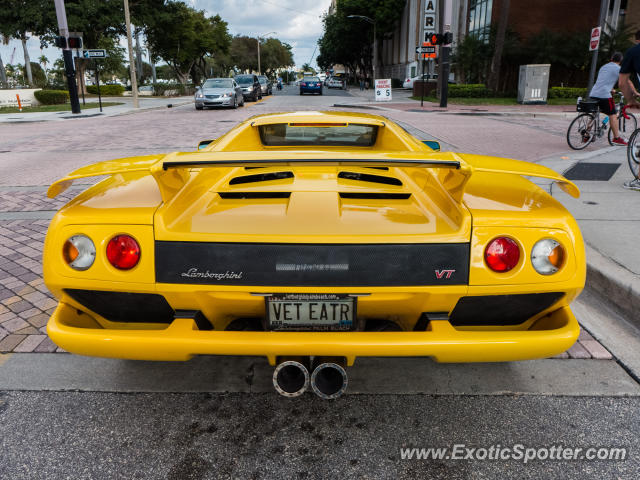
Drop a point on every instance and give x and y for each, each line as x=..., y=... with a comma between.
x=375, y=43
x=594, y=58
x=132, y=65
x=70, y=72
x=258, y=40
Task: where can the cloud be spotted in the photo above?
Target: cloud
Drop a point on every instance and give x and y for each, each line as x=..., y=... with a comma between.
x=296, y=22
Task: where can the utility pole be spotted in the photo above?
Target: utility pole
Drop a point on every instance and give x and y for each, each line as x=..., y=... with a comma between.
x=258, y=40
x=70, y=72
x=132, y=64
x=604, y=4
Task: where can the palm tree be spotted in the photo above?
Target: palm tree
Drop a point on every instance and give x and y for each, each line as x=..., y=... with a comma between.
x=43, y=60
x=3, y=72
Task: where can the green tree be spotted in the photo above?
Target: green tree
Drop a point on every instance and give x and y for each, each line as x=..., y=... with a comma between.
x=244, y=53
x=18, y=18
x=182, y=36
x=275, y=55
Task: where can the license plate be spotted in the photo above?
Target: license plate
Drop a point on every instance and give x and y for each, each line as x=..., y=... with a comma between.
x=302, y=311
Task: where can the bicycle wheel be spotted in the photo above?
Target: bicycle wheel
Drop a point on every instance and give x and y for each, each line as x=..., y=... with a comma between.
x=633, y=153
x=582, y=131
x=626, y=126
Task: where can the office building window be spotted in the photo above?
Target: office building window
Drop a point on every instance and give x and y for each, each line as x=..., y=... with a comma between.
x=480, y=18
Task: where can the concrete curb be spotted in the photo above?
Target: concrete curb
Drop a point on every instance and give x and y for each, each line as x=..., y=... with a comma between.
x=377, y=106
x=615, y=283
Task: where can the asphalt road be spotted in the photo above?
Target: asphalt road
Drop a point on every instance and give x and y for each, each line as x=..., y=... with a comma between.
x=193, y=436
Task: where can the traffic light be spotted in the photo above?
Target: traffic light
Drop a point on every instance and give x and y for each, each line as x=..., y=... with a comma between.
x=440, y=38
x=75, y=42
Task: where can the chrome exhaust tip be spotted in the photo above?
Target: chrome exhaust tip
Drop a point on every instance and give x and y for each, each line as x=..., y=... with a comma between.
x=291, y=377
x=329, y=377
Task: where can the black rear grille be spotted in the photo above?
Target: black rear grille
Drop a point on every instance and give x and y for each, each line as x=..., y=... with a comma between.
x=501, y=309
x=236, y=195
x=375, y=196
x=260, y=177
x=124, y=306
x=367, y=177
x=312, y=264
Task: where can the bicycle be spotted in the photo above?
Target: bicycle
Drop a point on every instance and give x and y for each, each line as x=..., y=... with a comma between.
x=633, y=154
x=586, y=127
x=627, y=122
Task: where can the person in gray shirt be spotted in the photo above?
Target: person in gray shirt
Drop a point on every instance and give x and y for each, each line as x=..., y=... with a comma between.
x=602, y=90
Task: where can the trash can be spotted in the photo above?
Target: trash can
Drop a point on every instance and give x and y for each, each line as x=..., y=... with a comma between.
x=533, y=84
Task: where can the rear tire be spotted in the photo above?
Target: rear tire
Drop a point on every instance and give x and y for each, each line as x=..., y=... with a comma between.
x=633, y=153
x=582, y=131
x=235, y=102
x=626, y=126
x=199, y=108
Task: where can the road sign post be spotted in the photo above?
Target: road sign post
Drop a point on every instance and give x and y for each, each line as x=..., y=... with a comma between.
x=594, y=58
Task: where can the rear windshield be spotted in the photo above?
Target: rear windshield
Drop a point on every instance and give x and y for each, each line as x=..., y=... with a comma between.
x=263, y=79
x=311, y=134
x=310, y=79
x=244, y=79
x=218, y=83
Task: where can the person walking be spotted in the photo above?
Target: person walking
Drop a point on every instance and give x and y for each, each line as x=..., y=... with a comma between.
x=602, y=90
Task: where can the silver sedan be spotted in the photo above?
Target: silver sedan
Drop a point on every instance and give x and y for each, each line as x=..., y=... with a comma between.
x=219, y=92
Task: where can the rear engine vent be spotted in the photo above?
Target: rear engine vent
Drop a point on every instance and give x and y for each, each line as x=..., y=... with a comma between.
x=124, y=306
x=236, y=195
x=379, y=168
x=375, y=196
x=367, y=177
x=501, y=309
x=261, y=177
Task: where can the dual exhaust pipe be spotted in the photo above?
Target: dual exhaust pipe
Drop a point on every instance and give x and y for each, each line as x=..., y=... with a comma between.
x=327, y=376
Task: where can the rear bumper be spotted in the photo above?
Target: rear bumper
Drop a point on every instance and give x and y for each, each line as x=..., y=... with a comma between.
x=181, y=340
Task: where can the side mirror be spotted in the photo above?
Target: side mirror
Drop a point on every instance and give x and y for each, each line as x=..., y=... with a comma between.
x=204, y=144
x=432, y=144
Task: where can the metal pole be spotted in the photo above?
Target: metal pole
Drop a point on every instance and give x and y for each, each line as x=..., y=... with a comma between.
x=604, y=4
x=132, y=65
x=98, y=85
x=423, y=82
x=445, y=55
x=258, y=40
x=67, y=56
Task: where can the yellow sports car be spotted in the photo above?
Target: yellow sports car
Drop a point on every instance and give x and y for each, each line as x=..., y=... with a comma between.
x=312, y=238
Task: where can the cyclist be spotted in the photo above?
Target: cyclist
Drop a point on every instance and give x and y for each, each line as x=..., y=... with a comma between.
x=631, y=64
x=603, y=88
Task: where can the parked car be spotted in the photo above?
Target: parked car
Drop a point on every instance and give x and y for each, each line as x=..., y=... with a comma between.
x=319, y=236
x=408, y=83
x=251, y=89
x=265, y=85
x=334, y=82
x=310, y=85
x=145, y=90
x=219, y=92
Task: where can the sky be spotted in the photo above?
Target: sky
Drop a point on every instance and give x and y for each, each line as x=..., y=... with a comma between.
x=296, y=22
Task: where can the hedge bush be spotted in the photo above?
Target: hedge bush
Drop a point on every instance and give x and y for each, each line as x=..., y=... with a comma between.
x=168, y=89
x=567, y=92
x=109, y=90
x=472, y=90
x=51, y=97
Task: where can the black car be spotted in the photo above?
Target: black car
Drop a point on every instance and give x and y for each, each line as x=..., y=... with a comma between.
x=250, y=84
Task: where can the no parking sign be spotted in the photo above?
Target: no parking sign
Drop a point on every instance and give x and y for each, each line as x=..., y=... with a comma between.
x=383, y=90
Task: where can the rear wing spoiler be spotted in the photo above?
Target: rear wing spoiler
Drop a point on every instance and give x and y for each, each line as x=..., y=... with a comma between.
x=172, y=174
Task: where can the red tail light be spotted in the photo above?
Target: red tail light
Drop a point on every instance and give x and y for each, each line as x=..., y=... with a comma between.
x=502, y=254
x=123, y=252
